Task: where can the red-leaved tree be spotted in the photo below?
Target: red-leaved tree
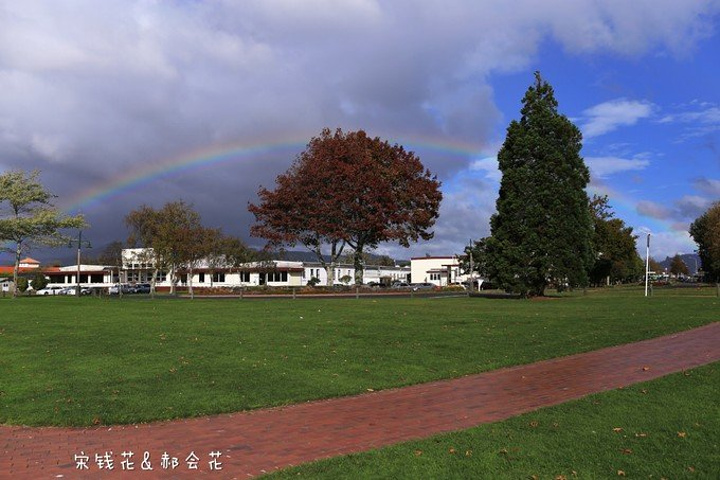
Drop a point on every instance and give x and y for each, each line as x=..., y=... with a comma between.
x=348, y=189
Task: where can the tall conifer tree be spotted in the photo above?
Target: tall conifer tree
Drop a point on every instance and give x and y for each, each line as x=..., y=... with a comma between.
x=542, y=231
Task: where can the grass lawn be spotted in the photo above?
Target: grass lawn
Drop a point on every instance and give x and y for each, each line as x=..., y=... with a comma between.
x=83, y=361
x=667, y=428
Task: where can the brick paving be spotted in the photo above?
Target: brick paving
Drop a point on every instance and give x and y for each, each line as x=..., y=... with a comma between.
x=253, y=443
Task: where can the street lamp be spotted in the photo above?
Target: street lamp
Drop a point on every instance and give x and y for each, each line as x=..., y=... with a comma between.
x=80, y=245
x=647, y=264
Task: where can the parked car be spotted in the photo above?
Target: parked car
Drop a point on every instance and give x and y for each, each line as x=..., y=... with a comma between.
x=118, y=287
x=50, y=291
x=400, y=285
x=422, y=286
x=140, y=288
x=73, y=290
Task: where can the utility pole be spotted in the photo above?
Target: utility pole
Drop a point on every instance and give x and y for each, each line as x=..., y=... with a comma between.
x=80, y=245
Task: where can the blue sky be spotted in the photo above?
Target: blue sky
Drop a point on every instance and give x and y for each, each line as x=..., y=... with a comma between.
x=650, y=124
x=102, y=97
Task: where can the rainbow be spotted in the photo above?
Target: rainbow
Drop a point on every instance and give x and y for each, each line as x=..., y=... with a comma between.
x=218, y=155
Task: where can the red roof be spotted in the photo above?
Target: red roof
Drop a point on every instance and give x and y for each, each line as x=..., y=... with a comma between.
x=9, y=270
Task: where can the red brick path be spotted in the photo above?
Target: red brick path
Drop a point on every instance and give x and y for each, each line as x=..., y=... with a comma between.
x=264, y=440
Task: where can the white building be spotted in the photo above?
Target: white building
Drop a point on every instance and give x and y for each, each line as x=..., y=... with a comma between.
x=139, y=266
x=92, y=276
x=440, y=271
x=371, y=273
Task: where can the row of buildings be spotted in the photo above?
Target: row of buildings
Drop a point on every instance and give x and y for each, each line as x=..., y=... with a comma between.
x=137, y=267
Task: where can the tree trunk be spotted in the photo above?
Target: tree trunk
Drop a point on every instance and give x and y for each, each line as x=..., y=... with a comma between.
x=153, y=281
x=173, y=279
x=358, y=263
x=190, y=284
x=16, y=270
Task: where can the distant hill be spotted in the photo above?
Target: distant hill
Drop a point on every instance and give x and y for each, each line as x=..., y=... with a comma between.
x=692, y=260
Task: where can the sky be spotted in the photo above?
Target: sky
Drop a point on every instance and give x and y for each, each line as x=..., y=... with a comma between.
x=122, y=103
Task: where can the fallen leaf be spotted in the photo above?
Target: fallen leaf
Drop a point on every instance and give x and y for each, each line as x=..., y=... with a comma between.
x=561, y=477
x=645, y=369
x=418, y=453
x=468, y=453
x=621, y=473
x=617, y=429
x=692, y=469
x=97, y=421
x=370, y=390
x=452, y=450
x=534, y=423
x=626, y=451
x=682, y=434
x=641, y=434
x=643, y=391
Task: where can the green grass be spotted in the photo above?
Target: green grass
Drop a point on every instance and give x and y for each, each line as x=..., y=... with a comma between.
x=666, y=428
x=79, y=361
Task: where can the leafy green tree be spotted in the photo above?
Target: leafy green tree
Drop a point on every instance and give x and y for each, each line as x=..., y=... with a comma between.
x=616, y=258
x=678, y=267
x=28, y=217
x=705, y=230
x=476, y=255
x=22, y=284
x=175, y=235
x=542, y=231
x=39, y=281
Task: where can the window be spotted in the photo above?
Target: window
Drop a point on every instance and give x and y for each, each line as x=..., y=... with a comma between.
x=219, y=277
x=201, y=277
x=434, y=276
x=245, y=277
x=277, y=276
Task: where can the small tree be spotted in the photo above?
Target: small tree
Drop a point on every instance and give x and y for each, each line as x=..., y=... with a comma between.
x=175, y=235
x=705, y=230
x=655, y=266
x=348, y=189
x=616, y=258
x=28, y=217
x=542, y=231
x=678, y=267
x=21, y=285
x=39, y=281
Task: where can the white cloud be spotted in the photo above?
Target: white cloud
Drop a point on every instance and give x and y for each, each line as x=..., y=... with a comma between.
x=668, y=244
x=609, y=116
x=692, y=206
x=710, y=186
x=709, y=115
x=489, y=165
x=601, y=167
x=653, y=210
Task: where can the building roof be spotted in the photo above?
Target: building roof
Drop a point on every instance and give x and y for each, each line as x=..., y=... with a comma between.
x=28, y=260
x=444, y=257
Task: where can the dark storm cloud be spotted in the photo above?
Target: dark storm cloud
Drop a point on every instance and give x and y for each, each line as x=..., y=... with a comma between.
x=94, y=91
